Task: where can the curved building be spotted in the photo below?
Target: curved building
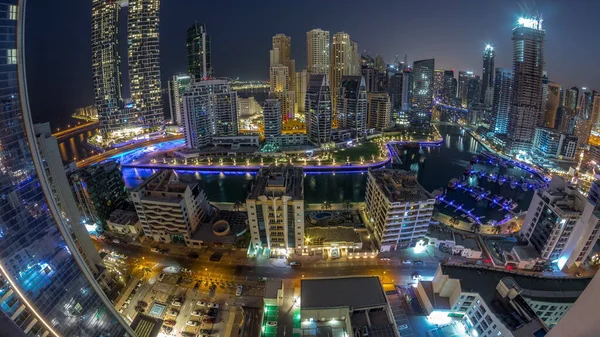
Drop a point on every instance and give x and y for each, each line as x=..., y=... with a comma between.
x=46, y=286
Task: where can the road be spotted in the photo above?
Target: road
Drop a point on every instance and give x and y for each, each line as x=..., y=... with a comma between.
x=390, y=271
x=105, y=155
x=60, y=135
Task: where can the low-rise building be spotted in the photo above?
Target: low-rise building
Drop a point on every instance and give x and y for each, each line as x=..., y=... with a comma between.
x=523, y=257
x=331, y=241
x=466, y=246
x=124, y=223
x=551, y=143
x=169, y=210
x=397, y=208
x=275, y=209
x=497, y=303
x=345, y=306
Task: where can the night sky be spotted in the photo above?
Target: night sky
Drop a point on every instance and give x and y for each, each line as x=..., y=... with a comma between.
x=453, y=32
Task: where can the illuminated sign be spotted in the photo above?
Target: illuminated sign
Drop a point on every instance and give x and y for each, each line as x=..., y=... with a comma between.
x=530, y=23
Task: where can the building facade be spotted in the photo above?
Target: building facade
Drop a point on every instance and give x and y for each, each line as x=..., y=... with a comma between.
x=198, y=52
x=209, y=110
x=169, y=210
x=106, y=63
x=487, y=76
x=551, y=143
x=501, y=103
x=318, y=110
x=317, y=48
x=422, y=93
x=283, y=75
x=551, y=101
x=272, y=119
x=343, y=63
x=47, y=287
x=526, y=102
x=144, y=61
x=352, y=104
x=178, y=86
x=397, y=207
x=379, y=111
x=99, y=190
x=275, y=209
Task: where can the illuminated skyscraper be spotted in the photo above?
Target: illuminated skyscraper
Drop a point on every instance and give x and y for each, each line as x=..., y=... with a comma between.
x=379, y=111
x=422, y=93
x=318, y=109
x=501, y=102
x=209, y=110
x=301, y=84
x=178, y=86
x=144, y=61
x=106, y=64
x=317, y=48
x=526, y=102
x=449, y=86
x=352, y=104
x=438, y=84
x=272, y=119
x=463, y=87
x=487, y=76
x=198, y=52
x=551, y=100
x=282, y=75
x=343, y=59
x=47, y=286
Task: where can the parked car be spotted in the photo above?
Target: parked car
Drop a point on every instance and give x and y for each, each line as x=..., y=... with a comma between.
x=238, y=290
x=295, y=264
x=116, y=241
x=213, y=305
x=208, y=319
x=169, y=322
x=418, y=263
x=176, y=303
x=271, y=323
x=402, y=327
x=195, y=313
x=201, y=303
x=173, y=312
x=154, y=250
x=192, y=323
x=416, y=276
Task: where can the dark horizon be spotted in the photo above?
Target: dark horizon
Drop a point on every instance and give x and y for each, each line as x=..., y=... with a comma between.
x=59, y=56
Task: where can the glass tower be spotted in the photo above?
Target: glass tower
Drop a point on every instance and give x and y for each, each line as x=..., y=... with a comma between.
x=46, y=288
x=198, y=52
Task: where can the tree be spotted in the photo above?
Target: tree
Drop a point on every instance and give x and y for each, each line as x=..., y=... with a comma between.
x=326, y=205
x=237, y=205
x=475, y=227
x=497, y=230
x=347, y=204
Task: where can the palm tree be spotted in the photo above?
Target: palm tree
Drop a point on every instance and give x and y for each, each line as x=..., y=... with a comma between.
x=347, y=204
x=475, y=227
x=326, y=205
x=237, y=205
x=497, y=230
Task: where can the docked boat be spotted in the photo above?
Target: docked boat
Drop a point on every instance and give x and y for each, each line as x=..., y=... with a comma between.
x=453, y=183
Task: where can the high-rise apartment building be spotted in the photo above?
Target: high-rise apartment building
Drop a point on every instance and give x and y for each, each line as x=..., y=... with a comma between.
x=562, y=224
x=551, y=143
x=449, y=86
x=473, y=91
x=272, y=119
x=209, y=109
x=379, y=111
x=422, y=93
x=99, y=190
x=501, y=103
x=317, y=48
x=106, y=63
x=198, y=52
x=343, y=62
x=169, y=210
x=248, y=106
x=595, y=116
x=301, y=84
x=367, y=68
x=282, y=75
x=526, y=102
x=398, y=208
x=438, y=84
x=144, y=61
x=178, y=86
x=551, y=101
x=352, y=104
x=487, y=76
x=463, y=86
x=275, y=209
x=318, y=109
x=47, y=287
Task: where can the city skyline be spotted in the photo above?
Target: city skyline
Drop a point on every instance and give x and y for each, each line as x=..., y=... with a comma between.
x=456, y=48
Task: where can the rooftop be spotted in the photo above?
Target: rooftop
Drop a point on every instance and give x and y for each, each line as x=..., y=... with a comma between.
x=466, y=241
x=146, y=326
x=123, y=218
x=236, y=222
x=526, y=252
x=440, y=233
x=342, y=292
x=278, y=181
x=321, y=235
x=398, y=185
x=272, y=287
x=478, y=279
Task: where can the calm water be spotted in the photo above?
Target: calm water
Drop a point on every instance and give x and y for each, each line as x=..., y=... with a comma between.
x=434, y=167
x=75, y=147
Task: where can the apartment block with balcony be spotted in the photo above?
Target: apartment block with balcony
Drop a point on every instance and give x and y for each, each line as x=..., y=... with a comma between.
x=398, y=209
x=169, y=209
x=275, y=209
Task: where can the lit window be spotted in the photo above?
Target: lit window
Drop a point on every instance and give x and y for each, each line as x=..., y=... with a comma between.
x=11, y=56
x=12, y=12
